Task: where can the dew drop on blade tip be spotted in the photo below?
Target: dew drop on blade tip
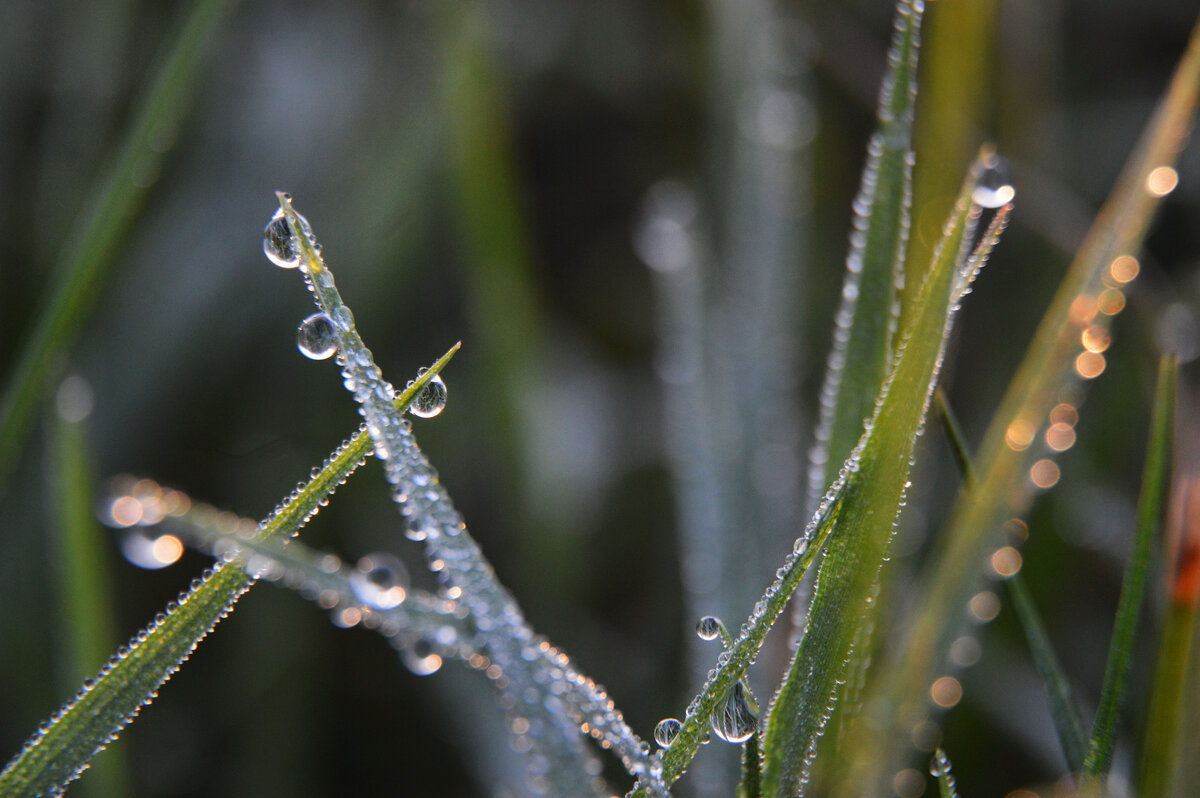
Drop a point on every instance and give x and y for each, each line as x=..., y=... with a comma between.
x=278, y=245
x=431, y=400
x=708, y=627
x=995, y=189
x=315, y=337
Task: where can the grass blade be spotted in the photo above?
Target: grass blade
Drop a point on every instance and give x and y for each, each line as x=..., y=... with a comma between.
x=63, y=747
x=1155, y=478
x=875, y=488
x=84, y=579
x=1170, y=699
x=1049, y=364
x=866, y=321
x=940, y=768
x=1063, y=709
x=100, y=230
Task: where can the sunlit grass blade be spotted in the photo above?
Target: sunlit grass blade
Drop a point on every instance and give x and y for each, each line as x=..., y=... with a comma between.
x=523, y=659
x=865, y=324
x=86, y=619
x=64, y=746
x=941, y=769
x=1171, y=698
x=1089, y=292
x=1063, y=709
x=876, y=486
x=1155, y=479
x=97, y=235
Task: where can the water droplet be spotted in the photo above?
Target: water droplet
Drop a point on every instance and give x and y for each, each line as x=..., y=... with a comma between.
x=420, y=658
x=995, y=188
x=380, y=582
x=431, y=400
x=735, y=717
x=416, y=529
x=315, y=337
x=146, y=549
x=939, y=765
x=278, y=245
x=666, y=731
x=708, y=628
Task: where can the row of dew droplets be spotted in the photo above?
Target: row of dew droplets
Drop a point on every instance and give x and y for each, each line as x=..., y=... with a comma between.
x=735, y=716
x=518, y=662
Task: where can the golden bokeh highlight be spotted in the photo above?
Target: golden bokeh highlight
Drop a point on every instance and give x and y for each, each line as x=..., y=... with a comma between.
x=1064, y=413
x=1124, y=268
x=946, y=691
x=125, y=511
x=1089, y=365
x=908, y=783
x=1083, y=309
x=1112, y=302
x=1019, y=435
x=1006, y=561
x=167, y=549
x=984, y=606
x=1095, y=339
x=1162, y=181
x=1016, y=529
x=1044, y=473
x=1060, y=436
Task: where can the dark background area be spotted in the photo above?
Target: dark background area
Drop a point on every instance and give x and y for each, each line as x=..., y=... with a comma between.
x=552, y=442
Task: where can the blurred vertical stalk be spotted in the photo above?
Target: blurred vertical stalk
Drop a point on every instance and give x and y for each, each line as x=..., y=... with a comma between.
x=86, y=624
x=1176, y=668
x=952, y=120
x=501, y=297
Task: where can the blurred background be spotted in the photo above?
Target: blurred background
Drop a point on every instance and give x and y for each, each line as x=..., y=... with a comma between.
x=628, y=444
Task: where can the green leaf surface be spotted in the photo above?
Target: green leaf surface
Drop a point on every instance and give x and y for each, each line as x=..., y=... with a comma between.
x=64, y=746
x=1155, y=479
x=97, y=236
x=866, y=321
x=900, y=698
x=874, y=494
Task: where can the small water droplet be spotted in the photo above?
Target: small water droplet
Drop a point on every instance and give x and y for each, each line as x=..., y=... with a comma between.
x=995, y=188
x=420, y=658
x=735, y=717
x=315, y=337
x=416, y=529
x=431, y=400
x=939, y=765
x=278, y=245
x=666, y=731
x=380, y=581
x=708, y=627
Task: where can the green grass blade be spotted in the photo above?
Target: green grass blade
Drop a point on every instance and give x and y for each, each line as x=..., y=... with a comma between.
x=87, y=624
x=940, y=768
x=1049, y=364
x=99, y=232
x=1155, y=478
x=751, y=784
x=866, y=321
x=1171, y=694
x=1063, y=709
x=64, y=746
x=875, y=493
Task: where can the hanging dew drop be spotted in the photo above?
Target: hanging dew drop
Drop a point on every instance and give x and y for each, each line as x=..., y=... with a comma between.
x=995, y=188
x=666, y=731
x=380, y=581
x=735, y=717
x=315, y=337
x=431, y=400
x=708, y=627
x=278, y=245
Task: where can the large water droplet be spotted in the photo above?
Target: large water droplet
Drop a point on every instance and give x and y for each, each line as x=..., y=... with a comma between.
x=939, y=765
x=735, y=717
x=431, y=400
x=315, y=337
x=666, y=731
x=995, y=188
x=708, y=627
x=278, y=245
x=380, y=582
